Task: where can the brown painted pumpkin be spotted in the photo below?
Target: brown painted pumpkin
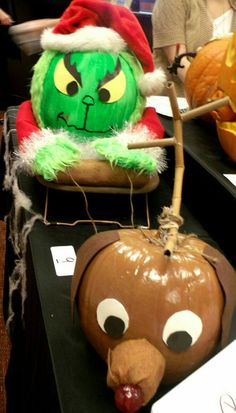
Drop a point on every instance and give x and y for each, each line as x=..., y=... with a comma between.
x=154, y=318
x=201, y=83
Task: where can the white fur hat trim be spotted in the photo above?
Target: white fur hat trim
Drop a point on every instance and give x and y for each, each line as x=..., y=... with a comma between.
x=85, y=39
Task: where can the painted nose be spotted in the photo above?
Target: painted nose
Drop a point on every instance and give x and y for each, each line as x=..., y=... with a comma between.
x=139, y=364
x=88, y=100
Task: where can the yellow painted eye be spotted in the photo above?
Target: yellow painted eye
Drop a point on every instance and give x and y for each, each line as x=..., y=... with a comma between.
x=114, y=89
x=64, y=81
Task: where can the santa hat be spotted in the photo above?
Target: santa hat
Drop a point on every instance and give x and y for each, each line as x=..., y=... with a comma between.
x=88, y=25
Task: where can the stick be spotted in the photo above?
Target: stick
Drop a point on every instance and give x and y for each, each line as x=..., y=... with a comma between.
x=177, y=141
x=178, y=119
x=179, y=167
x=152, y=144
x=208, y=107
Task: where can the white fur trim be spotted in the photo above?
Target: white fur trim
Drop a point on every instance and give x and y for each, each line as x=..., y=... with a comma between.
x=152, y=83
x=30, y=145
x=37, y=140
x=133, y=135
x=85, y=39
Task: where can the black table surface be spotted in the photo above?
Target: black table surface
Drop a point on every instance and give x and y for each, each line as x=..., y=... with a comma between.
x=202, y=144
x=52, y=366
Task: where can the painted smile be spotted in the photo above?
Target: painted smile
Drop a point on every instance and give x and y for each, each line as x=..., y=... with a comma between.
x=62, y=117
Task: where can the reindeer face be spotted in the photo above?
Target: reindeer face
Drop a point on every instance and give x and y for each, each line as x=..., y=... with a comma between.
x=130, y=290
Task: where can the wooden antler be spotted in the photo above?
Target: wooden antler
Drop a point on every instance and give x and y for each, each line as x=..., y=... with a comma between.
x=177, y=142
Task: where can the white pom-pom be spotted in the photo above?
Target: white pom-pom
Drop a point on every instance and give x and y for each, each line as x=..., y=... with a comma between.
x=152, y=83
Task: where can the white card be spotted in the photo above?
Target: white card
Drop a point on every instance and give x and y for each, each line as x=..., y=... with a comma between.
x=231, y=178
x=163, y=106
x=210, y=389
x=64, y=259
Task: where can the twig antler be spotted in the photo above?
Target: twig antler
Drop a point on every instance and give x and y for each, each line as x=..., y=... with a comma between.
x=177, y=141
x=179, y=170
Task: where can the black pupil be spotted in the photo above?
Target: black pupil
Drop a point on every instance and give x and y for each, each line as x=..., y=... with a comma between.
x=114, y=326
x=104, y=95
x=72, y=88
x=179, y=341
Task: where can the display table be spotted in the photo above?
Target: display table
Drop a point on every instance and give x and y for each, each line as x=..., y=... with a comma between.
x=52, y=367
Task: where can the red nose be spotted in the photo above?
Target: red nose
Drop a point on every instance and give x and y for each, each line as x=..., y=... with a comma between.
x=129, y=398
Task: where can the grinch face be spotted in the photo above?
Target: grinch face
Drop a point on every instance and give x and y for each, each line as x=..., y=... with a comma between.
x=90, y=94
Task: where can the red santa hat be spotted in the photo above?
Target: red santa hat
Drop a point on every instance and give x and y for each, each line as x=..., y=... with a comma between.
x=88, y=25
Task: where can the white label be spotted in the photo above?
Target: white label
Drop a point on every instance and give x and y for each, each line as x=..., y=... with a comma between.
x=231, y=178
x=210, y=389
x=163, y=106
x=64, y=259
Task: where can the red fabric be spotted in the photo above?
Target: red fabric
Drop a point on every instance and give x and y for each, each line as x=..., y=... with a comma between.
x=152, y=122
x=25, y=121
x=82, y=13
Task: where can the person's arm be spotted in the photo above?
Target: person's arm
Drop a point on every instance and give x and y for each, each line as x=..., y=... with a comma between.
x=169, y=24
x=5, y=19
x=171, y=52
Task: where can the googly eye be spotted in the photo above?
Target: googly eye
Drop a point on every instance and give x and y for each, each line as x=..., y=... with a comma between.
x=112, y=317
x=182, y=330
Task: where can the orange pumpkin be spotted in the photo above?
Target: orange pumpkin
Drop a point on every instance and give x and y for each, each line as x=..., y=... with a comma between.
x=211, y=75
x=227, y=136
x=226, y=128
x=201, y=83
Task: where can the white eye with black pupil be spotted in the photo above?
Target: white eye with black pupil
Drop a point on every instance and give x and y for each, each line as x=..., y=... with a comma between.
x=112, y=317
x=182, y=330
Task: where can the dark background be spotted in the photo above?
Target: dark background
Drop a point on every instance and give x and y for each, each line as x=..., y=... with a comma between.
x=16, y=67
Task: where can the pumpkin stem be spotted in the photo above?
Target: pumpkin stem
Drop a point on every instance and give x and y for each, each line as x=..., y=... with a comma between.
x=177, y=62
